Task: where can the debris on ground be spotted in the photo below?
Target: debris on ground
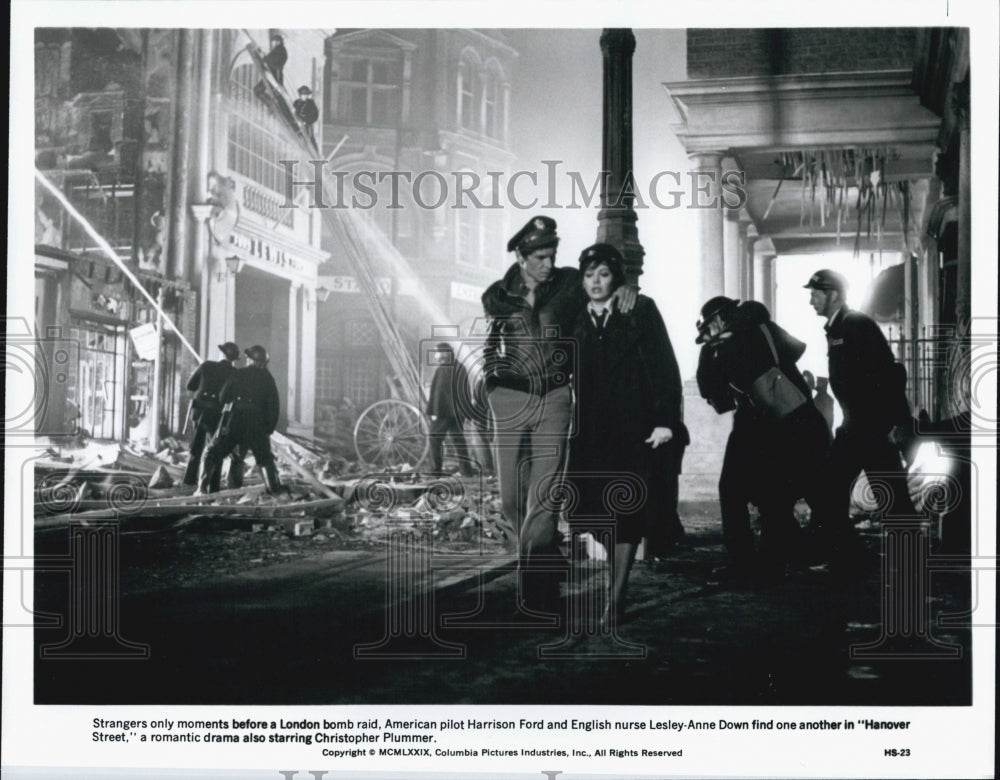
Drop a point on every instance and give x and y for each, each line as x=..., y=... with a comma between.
x=326, y=495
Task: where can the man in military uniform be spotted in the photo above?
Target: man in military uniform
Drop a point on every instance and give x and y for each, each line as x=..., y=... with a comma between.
x=870, y=389
x=251, y=398
x=775, y=453
x=532, y=310
x=206, y=384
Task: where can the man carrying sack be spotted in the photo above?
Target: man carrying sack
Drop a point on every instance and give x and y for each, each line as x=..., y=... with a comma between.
x=748, y=362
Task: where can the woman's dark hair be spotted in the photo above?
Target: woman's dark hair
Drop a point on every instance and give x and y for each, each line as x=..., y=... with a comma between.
x=604, y=254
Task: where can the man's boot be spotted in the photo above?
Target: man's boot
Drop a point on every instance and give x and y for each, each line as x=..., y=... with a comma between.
x=234, y=479
x=271, y=480
x=191, y=472
x=211, y=475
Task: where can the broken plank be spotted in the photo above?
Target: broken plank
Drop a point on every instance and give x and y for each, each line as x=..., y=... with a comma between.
x=146, y=507
x=148, y=464
x=286, y=448
x=250, y=511
x=170, y=508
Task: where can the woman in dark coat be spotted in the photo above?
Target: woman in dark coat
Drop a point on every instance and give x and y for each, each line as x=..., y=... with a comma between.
x=630, y=431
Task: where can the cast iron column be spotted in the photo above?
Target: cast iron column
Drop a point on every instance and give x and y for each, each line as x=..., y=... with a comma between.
x=616, y=220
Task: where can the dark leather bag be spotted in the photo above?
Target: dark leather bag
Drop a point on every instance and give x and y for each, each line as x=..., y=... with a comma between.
x=773, y=392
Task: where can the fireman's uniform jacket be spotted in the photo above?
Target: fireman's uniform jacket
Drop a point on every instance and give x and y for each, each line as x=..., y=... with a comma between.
x=206, y=383
x=248, y=424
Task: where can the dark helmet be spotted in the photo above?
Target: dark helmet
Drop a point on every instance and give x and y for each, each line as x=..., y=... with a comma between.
x=230, y=350
x=442, y=355
x=719, y=305
x=825, y=279
x=257, y=354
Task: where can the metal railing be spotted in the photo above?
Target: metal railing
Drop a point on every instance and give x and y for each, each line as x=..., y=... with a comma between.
x=929, y=361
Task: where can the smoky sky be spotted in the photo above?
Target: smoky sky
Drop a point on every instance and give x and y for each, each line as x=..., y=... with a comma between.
x=556, y=114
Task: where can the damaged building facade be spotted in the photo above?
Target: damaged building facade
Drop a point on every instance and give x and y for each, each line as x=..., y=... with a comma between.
x=160, y=140
x=156, y=139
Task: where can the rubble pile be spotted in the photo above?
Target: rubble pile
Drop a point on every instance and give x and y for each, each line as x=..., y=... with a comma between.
x=448, y=510
x=87, y=480
x=326, y=496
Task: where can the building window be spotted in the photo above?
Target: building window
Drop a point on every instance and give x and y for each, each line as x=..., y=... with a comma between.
x=466, y=95
x=327, y=380
x=361, y=334
x=367, y=91
x=491, y=113
x=255, y=146
x=362, y=379
x=100, y=131
x=94, y=386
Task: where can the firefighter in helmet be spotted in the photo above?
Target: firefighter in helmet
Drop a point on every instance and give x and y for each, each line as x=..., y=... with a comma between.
x=206, y=384
x=251, y=404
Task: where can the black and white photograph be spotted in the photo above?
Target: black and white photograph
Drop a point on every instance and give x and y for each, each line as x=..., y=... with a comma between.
x=505, y=392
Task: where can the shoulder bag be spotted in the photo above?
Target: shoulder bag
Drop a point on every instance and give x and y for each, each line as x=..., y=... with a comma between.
x=772, y=391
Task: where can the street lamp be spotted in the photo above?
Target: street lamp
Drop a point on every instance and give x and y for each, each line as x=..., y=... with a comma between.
x=234, y=264
x=322, y=294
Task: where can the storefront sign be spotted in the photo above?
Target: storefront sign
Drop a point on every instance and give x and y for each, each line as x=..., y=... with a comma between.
x=349, y=284
x=144, y=340
x=261, y=250
x=466, y=292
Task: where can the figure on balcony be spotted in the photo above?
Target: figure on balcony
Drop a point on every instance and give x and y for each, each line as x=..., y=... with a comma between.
x=153, y=243
x=276, y=58
x=225, y=210
x=306, y=111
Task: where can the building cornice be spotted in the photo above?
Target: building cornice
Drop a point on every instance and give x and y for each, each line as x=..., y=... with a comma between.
x=370, y=37
x=795, y=111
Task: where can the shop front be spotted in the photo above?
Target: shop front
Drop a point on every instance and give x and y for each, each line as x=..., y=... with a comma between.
x=263, y=291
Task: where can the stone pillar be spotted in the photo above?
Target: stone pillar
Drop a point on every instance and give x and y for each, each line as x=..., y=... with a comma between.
x=229, y=298
x=294, y=309
x=963, y=302
x=748, y=291
x=178, y=265
x=307, y=361
x=731, y=246
x=706, y=177
x=616, y=219
x=200, y=213
x=203, y=256
x=764, y=279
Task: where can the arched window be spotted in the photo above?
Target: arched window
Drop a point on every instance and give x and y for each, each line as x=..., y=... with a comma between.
x=491, y=111
x=255, y=143
x=466, y=95
x=493, y=100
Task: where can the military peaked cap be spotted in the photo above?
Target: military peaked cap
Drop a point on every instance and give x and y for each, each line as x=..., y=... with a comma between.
x=539, y=232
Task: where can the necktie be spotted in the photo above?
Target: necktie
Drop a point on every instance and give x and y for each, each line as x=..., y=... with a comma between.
x=599, y=318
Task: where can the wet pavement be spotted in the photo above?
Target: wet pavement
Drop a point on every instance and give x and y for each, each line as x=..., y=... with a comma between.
x=223, y=614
